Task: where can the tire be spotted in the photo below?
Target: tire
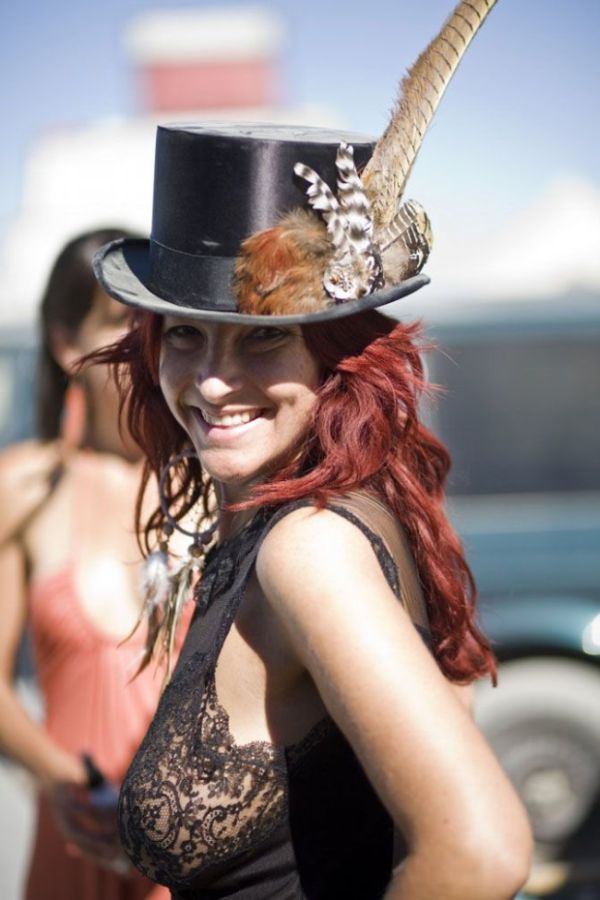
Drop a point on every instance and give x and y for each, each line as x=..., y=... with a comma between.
x=543, y=722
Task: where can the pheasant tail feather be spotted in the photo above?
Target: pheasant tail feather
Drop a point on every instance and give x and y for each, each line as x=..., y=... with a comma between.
x=421, y=90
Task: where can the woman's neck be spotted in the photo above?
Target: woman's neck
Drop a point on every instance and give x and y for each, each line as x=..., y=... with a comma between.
x=112, y=444
x=232, y=521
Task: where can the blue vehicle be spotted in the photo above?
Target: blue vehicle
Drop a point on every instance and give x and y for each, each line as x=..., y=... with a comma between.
x=521, y=416
x=17, y=373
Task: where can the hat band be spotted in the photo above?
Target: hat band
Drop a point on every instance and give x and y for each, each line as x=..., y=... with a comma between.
x=196, y=282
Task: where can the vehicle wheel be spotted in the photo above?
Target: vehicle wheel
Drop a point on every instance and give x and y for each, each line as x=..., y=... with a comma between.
x=543, y=722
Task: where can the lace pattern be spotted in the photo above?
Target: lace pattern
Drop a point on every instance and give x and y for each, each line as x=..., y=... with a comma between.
x=192, y=797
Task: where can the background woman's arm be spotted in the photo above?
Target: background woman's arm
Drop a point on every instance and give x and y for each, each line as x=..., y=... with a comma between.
x=20, y=737
x=25, y=471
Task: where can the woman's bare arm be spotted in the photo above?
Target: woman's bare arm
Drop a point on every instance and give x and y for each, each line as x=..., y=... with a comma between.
x=467, y=833
x=20, y=737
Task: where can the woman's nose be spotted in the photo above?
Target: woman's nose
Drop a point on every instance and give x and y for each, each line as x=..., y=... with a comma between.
x=220, y=377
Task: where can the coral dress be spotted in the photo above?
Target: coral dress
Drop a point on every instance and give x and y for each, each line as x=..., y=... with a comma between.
x=91, y=706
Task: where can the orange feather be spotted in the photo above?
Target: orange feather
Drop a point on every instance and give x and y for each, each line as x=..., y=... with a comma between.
x=280, y=270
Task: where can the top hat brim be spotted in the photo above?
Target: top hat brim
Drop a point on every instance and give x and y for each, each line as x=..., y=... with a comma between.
x=124, y=272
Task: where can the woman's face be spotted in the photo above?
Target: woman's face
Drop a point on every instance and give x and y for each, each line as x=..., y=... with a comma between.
x=105, y=323
x=244, y=394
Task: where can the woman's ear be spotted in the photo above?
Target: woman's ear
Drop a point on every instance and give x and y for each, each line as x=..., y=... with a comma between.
x=64, y=348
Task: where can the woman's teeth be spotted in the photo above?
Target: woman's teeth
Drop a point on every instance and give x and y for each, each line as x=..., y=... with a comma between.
x=227, y=421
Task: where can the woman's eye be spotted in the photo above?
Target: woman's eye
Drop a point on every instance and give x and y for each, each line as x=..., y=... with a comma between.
x=267, y=334
x=181, y=334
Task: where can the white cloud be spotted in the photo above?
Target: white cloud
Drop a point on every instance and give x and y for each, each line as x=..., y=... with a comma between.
x=548, y=248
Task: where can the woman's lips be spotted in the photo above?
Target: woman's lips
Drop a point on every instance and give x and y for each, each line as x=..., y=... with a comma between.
x=230, y=420
x=226, y=423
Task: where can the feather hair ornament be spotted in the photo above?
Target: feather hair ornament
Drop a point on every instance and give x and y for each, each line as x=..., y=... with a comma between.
x=365, y=237
x=167, y=580
x=166, y=586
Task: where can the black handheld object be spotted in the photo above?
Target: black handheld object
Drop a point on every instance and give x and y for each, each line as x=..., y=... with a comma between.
x=95, y=777
x=102, y=792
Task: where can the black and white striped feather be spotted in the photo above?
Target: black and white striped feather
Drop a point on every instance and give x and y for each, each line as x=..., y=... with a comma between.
x=321, y=198
x=355, y=266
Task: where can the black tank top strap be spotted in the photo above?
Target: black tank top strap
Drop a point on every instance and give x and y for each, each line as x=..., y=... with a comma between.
x=384, y=557
x=229, y=565
x=219, y=591
x=391, y=564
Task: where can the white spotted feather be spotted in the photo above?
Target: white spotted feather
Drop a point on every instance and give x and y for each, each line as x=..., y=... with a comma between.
x=355, y=266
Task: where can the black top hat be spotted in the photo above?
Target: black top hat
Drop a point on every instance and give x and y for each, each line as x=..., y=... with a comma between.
x=215, y=185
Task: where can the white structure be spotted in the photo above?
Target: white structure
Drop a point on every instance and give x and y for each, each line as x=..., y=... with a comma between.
x=197, y=36
x=216, y=64
x=547, y=249
x=207, y=59
x=191, y=66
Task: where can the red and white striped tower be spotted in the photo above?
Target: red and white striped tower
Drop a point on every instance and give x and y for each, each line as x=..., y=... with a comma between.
x=206, y=59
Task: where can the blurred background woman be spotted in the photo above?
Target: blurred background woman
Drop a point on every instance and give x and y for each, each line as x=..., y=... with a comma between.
x=69, y=568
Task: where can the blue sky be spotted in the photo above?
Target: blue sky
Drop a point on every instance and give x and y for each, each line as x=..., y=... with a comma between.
x=521, y=111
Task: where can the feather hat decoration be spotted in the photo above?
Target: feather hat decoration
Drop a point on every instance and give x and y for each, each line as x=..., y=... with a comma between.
x=373, y=239
x=296, y=224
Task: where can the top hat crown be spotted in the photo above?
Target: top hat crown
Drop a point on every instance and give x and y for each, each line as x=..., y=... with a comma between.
x=216, y=185
x=237, y=235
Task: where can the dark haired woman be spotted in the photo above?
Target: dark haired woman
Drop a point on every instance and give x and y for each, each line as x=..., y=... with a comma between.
x=68, y=568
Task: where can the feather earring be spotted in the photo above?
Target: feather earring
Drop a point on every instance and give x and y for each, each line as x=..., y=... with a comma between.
x=167, y=582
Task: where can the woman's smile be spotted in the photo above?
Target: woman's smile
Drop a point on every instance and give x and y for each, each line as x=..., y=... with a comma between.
x=227, y=419
x=226, y=427
x=243, y=394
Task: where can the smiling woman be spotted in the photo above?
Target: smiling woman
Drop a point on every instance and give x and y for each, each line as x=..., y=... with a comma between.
x=314, y=740
x=243, y=394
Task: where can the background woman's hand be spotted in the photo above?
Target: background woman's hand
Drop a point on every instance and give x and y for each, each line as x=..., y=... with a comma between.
x=88, y=819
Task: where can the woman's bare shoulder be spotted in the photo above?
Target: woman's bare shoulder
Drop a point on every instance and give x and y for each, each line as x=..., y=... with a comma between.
x=26, y=475
x=317, y=548
x=306, y=523
x=32, y=458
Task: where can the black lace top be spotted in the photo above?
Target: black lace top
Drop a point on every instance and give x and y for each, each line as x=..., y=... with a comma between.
x=210, y=818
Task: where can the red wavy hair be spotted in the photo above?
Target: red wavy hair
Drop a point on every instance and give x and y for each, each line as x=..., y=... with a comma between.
x=373, y=379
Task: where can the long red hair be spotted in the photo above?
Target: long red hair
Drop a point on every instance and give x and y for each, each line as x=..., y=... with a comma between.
x=365, y=432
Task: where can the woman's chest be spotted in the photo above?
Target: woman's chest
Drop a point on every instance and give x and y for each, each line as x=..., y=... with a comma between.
x=266, y=691
x=83, y=544
x=210, y=779
x=195, y=796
